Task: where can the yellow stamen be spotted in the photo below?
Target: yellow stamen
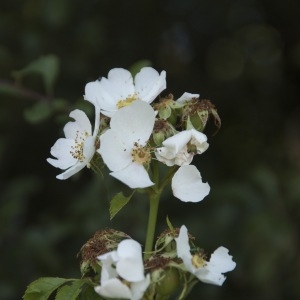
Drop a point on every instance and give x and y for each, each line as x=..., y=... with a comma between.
x=140, y=154
x=198, y=261
x=127, y=101
x=77, y=150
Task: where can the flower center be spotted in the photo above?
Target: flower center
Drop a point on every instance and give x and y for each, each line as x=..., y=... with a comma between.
x=77, y=150
x=127, y=101
x=198, y=261
x=141, y=154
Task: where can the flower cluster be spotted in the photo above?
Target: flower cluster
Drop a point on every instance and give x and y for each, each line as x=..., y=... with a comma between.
x=137, y=139
x=138, y=133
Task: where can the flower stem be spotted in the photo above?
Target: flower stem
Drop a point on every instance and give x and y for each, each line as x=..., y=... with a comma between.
x=154, y=203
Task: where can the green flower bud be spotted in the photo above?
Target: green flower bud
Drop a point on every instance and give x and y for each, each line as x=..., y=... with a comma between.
x=162, y=130
x=196, y=113
x=169, y=283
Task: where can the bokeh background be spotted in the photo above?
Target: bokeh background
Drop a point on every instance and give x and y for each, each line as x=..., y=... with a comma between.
x=243, y=55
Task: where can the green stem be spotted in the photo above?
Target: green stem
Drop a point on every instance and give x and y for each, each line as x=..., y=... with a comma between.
x=154, y=203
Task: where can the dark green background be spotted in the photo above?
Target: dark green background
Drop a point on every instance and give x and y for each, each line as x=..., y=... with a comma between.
x=244, y=55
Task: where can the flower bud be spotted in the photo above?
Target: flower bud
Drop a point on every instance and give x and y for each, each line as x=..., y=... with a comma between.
x=169, y=282
x=162, y=130
x=102, y=242
x=196, y=113
x=166, y=108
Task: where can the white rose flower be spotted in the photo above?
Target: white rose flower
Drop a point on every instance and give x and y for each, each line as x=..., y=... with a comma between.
x=123, y=264
x=206, y=271
x=76, y=150
x=124, y=147
x=180, y=148
x=119, y=89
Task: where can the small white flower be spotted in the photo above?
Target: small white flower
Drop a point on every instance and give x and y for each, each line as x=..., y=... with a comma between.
x=119, y=90
x=180, y=148
x=187, y=184
x=76, y=150
x=125, y=263
x=207, y=271
x=124, y=146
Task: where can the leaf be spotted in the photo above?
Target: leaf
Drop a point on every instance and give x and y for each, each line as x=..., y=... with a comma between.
x=117, y=203
x=42, y=288
x=38, y=112
x=88, y=293
x=71, y=290
x=47, y=66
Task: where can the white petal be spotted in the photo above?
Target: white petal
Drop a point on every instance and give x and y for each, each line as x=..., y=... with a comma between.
x=199, y=139
x=187, y=184
x=71, y=171
x=176, y=142
x=149, y=84
x=61, y=150
x=114, y=152
x=108, y=271
x=209, y=277
x=134, y=123
x=89, y=149
x=138, y=288
x=186, y=97
x=130, y=265
x=221, y=261
x=120, y=83
x=82, y=124
x=115, y=289
x=134, y=175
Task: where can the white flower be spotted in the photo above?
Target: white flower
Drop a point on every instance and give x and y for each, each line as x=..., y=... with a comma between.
x=118, y=89
x=75, y=151
x=125, y=263
x=187, y=184
x=207, y=271
x=124, y=146
x=180, y=148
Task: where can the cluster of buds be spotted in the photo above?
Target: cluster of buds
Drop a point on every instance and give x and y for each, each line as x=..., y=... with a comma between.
x=170, y=272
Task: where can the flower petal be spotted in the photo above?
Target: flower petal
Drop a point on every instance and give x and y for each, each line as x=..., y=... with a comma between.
x=186, y=97
x=114, y=288
x=138, y=288
x=130, y=265
x=149, y=84
x=134, y=123
x=114, y=152
x=71, y=171
x=61, y=150
x=199, y=139
x=187, y=184
x=81, y=124
x=134, y=175
x=178, y=141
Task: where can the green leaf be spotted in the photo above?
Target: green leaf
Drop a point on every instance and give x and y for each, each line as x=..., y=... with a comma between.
x=136, y=67
x=117, y=203
x=38, y=112
x=71, y=290
x=42, y=288
x=88, y=293
x=47, y=66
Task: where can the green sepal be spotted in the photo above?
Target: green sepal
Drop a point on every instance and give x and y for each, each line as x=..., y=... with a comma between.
x=42, y=288
x=117, y=203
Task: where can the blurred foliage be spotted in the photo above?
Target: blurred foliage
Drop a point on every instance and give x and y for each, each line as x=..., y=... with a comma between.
x=242, y=55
